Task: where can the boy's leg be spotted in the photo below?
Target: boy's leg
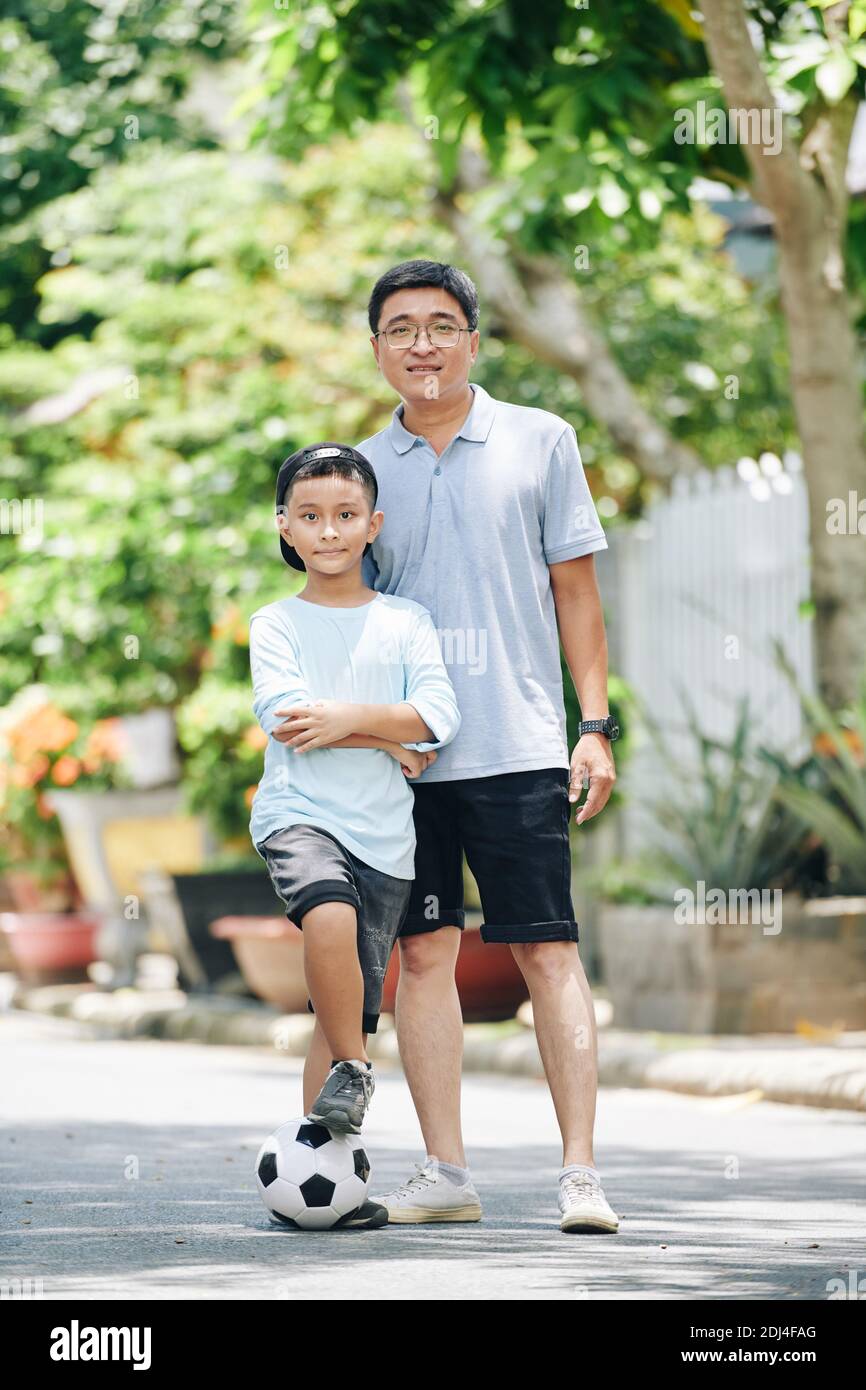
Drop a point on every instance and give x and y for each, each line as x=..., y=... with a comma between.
x=313, y=875
x=348, y=1088
x=317, y=1065
x=336, y=986
x=334, y=977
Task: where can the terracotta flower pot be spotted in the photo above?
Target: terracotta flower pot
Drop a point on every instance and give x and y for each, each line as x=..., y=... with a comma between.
x=51, y=947
x=270, y=956
x=489, y=981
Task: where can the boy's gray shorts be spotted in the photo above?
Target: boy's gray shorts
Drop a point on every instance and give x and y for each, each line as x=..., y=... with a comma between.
x=309, y=866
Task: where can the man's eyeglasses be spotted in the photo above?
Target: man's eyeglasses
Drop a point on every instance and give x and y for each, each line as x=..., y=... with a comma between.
x=405, y=335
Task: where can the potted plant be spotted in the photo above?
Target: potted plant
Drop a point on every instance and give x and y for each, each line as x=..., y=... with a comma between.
x=43, y=749
x=826, y=793
x=718, y=927
x=80, y=824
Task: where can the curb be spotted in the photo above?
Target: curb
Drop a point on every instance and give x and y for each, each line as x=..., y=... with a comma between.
x=781, y=1068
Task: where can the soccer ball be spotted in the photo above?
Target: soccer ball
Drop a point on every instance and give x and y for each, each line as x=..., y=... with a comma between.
x=311, y=1178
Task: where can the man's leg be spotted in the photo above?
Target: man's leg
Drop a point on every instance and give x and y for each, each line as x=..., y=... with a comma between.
x=515, y=830
x=430, y=1037
x=564, y=1018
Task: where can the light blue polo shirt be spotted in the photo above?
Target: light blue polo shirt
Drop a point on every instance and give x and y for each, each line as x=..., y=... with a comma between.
x=470, y=536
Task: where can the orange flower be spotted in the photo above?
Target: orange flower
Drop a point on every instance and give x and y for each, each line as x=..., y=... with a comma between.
x=826, y=746
x=43, y=808
x=225, y=623
x=249, y=794
x=66, y=770
x=255, y=737
x=47, y=730
x=31, y=773
x=104, y=743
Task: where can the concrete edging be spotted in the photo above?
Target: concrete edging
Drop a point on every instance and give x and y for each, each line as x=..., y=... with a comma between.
x=791, y=1071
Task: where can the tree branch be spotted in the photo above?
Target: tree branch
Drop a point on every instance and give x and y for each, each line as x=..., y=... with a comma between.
x=540, y=309
x=782, y=184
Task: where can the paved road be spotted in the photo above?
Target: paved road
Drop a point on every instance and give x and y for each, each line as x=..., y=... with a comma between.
x=127, y=1174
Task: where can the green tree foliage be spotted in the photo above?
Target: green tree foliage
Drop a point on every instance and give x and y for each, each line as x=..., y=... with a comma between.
x=83, y=85
x=576, y=106
x=229, y=300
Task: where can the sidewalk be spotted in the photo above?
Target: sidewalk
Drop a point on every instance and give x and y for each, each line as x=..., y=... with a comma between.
x=776, y=1067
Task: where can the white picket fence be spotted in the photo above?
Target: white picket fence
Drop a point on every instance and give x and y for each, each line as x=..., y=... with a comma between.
x=694, y=596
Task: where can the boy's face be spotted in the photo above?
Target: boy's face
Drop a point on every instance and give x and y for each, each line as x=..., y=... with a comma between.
x=328, y=521
x=425, y=372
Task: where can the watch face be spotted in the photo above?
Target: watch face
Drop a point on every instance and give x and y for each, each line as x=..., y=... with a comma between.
x=612, y=728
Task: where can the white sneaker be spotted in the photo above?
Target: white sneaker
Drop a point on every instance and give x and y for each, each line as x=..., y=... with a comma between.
x=430, y=1196
x=584, y=1206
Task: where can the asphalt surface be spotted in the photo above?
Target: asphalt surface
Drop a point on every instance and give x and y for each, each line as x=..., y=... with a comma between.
x=127, y=1174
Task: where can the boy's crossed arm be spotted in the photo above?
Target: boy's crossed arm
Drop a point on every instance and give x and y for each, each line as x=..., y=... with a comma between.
x=338, y=724
x=412, y=761
x=400, y=729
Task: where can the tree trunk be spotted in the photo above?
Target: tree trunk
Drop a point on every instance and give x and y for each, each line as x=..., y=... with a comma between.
x=804, y=188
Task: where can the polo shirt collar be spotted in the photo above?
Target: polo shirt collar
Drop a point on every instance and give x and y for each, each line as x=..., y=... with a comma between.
x=475, y=427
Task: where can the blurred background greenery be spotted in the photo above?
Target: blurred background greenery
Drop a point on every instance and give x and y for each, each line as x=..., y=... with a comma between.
x=189, y=242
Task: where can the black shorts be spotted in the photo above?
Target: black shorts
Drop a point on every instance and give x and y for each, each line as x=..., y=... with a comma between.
x=513, y=828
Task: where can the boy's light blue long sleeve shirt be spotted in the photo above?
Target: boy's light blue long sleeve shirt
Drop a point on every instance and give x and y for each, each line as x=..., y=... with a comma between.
x=381, y=653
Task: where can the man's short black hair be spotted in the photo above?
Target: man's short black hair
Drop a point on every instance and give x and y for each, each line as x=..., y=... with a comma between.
x=336, y=468
x=414, y=275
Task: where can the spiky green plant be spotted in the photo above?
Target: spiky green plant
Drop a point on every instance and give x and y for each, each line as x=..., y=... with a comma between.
x=827, y=794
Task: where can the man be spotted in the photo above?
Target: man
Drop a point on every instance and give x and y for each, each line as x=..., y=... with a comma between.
x=491, y=527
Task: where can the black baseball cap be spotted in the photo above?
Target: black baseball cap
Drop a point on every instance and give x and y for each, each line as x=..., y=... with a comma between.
x=290, y=466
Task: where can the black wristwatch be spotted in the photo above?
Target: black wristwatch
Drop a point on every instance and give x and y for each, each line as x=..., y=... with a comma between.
x=607, y=726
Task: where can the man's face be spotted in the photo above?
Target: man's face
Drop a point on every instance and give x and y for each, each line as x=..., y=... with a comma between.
x=425, y=371
x=328, y=521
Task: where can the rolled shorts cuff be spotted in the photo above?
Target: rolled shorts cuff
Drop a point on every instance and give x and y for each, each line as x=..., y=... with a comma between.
x=416, y=924
x=530, y=931
x=369, y=1022
x=335, y=890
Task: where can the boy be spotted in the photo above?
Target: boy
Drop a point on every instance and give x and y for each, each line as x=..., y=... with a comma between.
x=351, y=688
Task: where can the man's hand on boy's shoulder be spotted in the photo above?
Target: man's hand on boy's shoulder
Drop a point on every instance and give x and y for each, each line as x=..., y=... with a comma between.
x=316, y=725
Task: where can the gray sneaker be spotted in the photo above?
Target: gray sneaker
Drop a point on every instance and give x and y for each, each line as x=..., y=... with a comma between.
x=343, y=1100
